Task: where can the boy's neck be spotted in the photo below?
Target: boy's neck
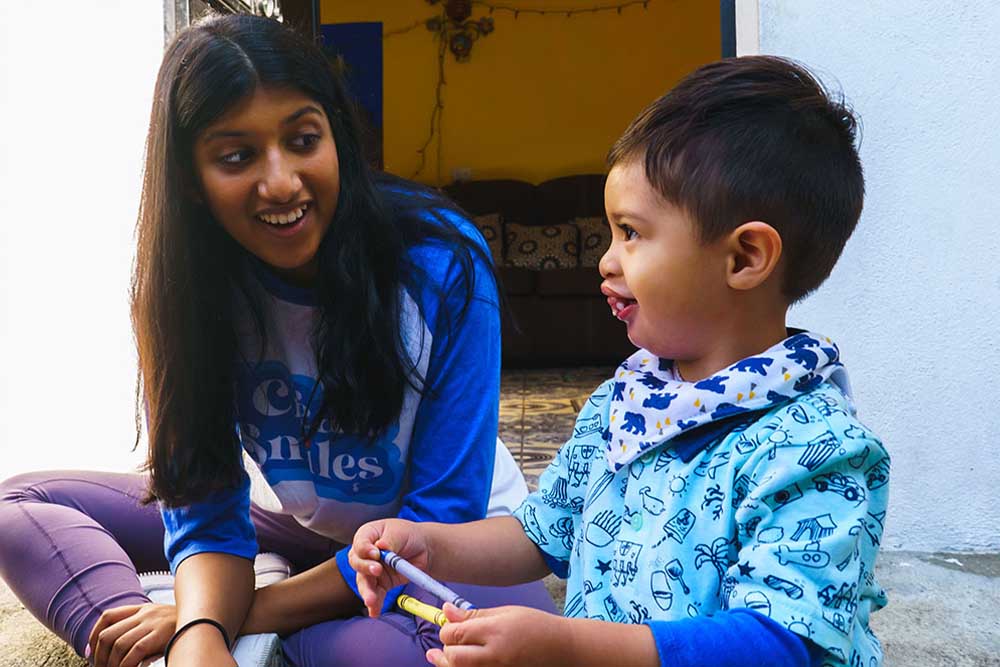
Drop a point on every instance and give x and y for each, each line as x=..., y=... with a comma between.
x=738, y=339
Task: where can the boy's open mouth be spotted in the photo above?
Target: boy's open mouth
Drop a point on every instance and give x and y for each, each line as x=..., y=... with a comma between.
x=621, y=307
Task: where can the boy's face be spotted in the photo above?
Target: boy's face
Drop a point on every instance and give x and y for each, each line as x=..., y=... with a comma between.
x=665, y=284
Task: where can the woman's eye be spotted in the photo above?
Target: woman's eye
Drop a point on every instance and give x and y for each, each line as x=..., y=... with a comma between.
x=305, y=140
x=235, y=158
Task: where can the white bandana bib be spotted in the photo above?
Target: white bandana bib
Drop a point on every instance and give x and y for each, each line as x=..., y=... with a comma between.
x=649, y=405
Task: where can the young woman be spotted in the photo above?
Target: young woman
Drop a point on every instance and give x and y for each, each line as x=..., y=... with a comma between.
x=335, y=328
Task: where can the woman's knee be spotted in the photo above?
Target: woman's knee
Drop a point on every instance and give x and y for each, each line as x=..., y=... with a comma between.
x=387, y=641
x=26, y=487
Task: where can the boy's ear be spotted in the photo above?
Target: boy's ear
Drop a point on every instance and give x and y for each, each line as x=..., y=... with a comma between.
x=754, y=252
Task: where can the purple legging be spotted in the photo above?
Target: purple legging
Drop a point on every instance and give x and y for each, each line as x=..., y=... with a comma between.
x=72, y=542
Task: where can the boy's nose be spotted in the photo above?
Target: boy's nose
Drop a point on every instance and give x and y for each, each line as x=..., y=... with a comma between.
x=608, y=266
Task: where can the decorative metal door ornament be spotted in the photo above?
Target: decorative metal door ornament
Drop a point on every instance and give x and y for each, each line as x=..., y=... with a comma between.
x=457, y=32
x=455, y=28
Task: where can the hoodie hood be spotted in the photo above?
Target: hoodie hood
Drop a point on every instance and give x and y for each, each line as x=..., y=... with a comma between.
x=650, y=405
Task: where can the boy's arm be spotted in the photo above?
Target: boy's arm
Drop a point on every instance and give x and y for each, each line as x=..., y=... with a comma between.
x=525, y=637
x=529, y=637
x=809, y=528
x=489, y=552
x=735, y=638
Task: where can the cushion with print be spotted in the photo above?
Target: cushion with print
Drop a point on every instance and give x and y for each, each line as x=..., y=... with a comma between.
x=595, y=237
x=542, y=247
x=489, y=227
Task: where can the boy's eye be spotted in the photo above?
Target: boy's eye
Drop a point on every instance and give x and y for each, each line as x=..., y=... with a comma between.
x=305, y=140
x=628, y=232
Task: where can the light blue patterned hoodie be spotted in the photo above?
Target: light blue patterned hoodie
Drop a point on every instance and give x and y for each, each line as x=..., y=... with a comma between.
x=755, y=488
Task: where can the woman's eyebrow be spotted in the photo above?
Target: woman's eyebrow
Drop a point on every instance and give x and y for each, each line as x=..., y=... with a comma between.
x=302, y=112
x=223, y=134
x=229, y=134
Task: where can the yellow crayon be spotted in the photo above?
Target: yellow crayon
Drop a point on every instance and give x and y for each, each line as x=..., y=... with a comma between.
x=421, y=609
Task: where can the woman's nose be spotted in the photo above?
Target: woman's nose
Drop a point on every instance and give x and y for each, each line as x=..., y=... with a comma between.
x=280, y=182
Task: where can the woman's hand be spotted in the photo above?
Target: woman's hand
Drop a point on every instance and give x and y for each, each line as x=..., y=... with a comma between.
x=502, y=636
x=124, y=636
x=406, y=538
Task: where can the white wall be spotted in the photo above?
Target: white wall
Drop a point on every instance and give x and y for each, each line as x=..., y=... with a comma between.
x=915, y=299
x=76, y=82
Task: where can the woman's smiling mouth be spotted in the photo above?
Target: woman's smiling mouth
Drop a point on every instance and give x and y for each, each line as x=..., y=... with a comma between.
x=285, y=218
x=286, y=223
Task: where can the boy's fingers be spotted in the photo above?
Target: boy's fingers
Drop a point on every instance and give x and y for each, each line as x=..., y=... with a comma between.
x=436, y=657
x=372, y=604
x=460, y=656
x=455, y=614
x=461, y=630
x=357, y=560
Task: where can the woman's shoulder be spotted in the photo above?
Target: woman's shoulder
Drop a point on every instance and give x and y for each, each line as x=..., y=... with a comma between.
x=439, y=234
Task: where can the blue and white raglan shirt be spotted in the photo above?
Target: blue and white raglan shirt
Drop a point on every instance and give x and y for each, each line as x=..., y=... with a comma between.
x=440, y=461
x=753, y=497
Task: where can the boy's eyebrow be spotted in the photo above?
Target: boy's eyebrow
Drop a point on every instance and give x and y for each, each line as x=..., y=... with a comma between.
x=630, y=215
x=227, y=134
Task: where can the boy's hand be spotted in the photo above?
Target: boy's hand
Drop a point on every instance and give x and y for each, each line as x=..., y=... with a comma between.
x=502, y=636
x=374, y=579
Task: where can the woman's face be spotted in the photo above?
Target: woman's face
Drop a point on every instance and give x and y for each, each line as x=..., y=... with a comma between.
x=269, y=174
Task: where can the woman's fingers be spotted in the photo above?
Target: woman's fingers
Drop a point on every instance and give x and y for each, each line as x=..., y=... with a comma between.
x=107, y=619
x=108, y=638
x=146, y=646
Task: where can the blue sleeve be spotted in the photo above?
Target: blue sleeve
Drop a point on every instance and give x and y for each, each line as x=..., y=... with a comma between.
x=453, y=444
x=737, y=638
x=220, y=523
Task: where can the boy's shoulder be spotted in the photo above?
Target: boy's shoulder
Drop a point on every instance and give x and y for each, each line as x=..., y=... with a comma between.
x=824, y=407
x=815, y=429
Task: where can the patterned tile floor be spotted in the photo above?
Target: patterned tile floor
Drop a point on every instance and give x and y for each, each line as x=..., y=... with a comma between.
x=538, y=408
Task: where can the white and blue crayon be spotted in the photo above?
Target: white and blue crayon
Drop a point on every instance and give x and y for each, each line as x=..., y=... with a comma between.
x=425, y=581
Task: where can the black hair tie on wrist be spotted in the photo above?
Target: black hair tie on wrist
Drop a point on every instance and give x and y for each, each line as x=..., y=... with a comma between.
x=209, y=621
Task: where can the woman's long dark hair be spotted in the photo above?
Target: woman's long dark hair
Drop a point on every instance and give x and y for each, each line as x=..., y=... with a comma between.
x=188, y=270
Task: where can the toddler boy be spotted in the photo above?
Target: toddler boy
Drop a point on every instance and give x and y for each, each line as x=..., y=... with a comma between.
x=719, y=503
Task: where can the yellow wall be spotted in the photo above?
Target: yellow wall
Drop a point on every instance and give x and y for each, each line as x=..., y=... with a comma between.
x=540, y=97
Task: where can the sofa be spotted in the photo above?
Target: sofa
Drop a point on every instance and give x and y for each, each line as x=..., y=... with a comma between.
x=546, y=241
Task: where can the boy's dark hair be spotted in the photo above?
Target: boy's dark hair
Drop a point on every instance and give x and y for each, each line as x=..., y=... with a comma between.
x=756, y=138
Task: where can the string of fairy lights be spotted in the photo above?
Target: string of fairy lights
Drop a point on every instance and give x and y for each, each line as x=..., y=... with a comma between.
x=568, y=13
x=455, y=31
